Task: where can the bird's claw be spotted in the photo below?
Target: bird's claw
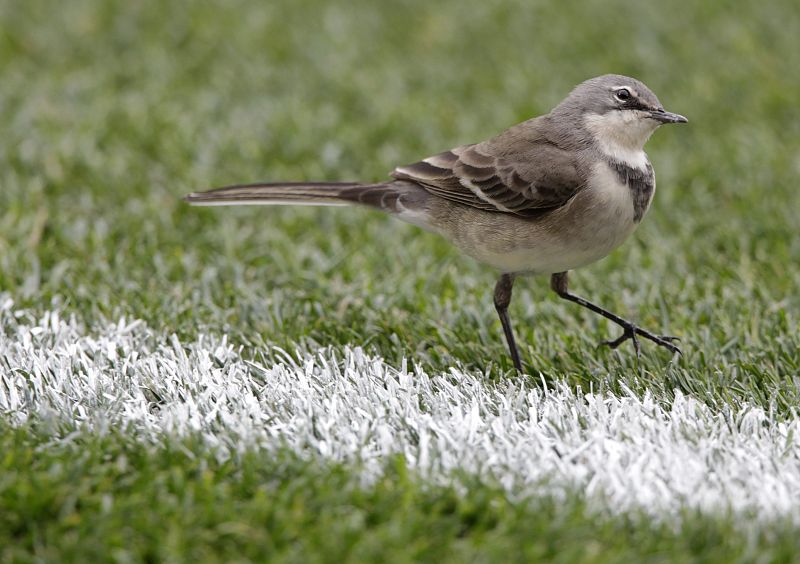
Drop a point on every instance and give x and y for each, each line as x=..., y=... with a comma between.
x=670, y=338
x=631, y=331
x=628, y=333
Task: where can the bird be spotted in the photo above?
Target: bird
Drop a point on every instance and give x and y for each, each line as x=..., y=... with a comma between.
x=544, y=197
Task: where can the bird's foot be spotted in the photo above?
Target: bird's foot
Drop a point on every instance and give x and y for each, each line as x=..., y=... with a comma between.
x=630, y=332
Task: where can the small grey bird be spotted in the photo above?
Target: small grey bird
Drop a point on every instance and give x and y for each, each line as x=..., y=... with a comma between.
x=546, y=196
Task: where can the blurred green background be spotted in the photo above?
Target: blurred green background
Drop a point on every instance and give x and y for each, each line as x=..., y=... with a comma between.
x=111, y=111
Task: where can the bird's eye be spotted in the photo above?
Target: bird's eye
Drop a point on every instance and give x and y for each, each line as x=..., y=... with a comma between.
x=622, y=94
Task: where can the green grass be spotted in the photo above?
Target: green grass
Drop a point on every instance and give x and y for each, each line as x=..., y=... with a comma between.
x=92, y=498
x=112, y=110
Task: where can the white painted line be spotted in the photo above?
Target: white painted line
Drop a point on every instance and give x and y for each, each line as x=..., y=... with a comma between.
x=625, y=453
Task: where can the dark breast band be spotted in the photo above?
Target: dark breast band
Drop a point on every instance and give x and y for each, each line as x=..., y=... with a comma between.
x=642, y=184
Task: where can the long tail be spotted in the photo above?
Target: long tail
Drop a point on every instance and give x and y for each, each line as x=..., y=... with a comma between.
x=384, y=196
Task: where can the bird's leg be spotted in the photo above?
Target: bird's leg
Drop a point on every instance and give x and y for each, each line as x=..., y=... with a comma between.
x=502, y=297
x=558, y=282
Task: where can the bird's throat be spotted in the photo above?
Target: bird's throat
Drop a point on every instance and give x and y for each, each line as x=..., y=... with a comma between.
x=621, y=135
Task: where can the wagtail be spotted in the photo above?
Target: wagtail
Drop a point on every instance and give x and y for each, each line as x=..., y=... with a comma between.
x=546, y=196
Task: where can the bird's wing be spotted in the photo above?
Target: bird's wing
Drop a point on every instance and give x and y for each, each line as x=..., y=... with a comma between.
x=521, y=176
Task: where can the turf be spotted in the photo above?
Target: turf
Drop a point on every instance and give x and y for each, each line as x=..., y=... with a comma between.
x=93, y=498
x=112, y=110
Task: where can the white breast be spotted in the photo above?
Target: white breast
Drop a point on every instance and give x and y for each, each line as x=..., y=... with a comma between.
x=596, y=221
x=611, y=214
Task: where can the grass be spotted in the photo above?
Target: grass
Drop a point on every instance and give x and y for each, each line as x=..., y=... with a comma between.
x=113, y=110
x=92, y=497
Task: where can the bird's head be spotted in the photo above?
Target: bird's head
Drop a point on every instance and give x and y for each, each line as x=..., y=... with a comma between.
x=618, y=111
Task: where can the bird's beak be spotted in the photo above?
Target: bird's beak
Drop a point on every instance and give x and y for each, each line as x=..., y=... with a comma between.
x=667, y=117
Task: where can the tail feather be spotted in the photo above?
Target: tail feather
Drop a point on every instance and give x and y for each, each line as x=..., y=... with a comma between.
x=383, y=195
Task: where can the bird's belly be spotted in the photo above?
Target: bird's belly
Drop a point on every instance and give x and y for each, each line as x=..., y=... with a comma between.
x=548, y=256
x=596, y=221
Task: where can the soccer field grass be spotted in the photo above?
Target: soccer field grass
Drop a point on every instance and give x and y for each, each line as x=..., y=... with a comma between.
x=319, y=384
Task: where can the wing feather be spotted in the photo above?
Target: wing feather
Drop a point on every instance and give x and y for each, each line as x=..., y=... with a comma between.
x=524, y=177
